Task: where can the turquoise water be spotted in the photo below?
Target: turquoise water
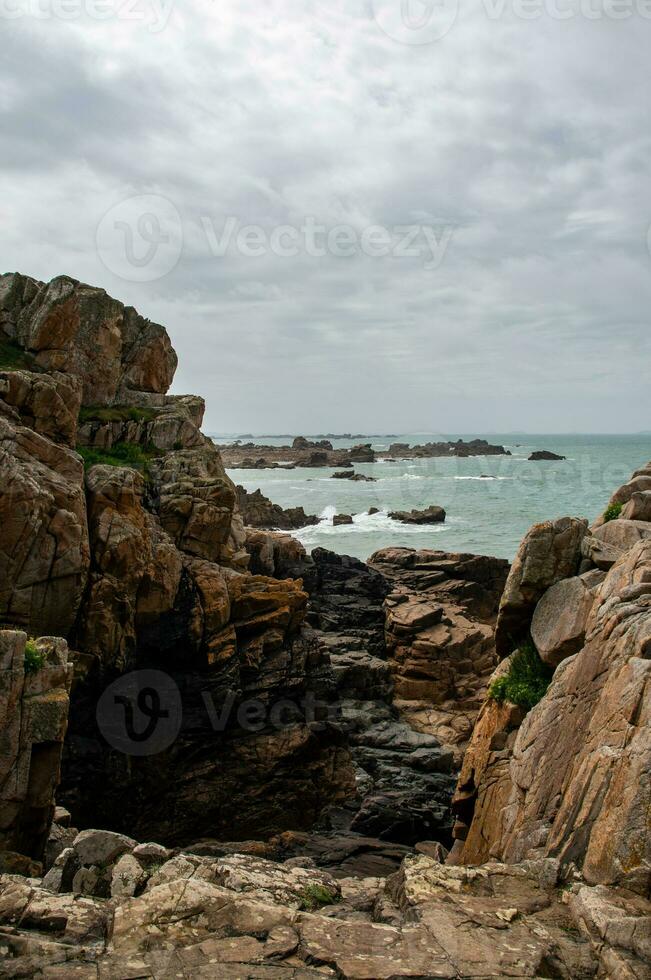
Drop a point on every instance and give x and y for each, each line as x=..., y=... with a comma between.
x=484, y=516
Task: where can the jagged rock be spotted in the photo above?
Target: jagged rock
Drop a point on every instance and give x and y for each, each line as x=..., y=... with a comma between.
x=258, y=511
x=559, y=620
x=33, y=718
x=47, y=403
x=430, y=515
x=43, y=537
x=277, y=555
x=196, y=502
x=575, y=782
x=81, y=331
x=549, y=552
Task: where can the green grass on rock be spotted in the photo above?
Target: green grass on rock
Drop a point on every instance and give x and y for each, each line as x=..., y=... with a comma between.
x=526, y=680
x=315, y=896
x=13, y=357
x=34, y=658
x=121, y=454
x=116, y=413
x=612, y=512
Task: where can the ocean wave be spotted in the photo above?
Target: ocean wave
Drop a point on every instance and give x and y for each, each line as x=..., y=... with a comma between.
x=485, y=479
x=365, y=522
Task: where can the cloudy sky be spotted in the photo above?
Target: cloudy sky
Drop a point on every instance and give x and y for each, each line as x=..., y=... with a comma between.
x=361, y=215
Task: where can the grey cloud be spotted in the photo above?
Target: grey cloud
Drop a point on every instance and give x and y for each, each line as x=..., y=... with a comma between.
x=529, y=139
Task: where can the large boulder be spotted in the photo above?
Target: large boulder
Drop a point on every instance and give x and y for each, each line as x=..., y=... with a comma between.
x=43, y=532
x=80, y=330
x=559, y=620
x=623, y=534
x=549, y=552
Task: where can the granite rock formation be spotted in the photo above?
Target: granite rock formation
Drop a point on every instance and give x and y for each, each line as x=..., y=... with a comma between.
x=570, y=779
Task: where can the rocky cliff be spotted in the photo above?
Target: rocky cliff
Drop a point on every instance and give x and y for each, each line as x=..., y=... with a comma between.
x=119, y=532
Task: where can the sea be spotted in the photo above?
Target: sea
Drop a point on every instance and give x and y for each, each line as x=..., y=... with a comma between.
x=490, y=501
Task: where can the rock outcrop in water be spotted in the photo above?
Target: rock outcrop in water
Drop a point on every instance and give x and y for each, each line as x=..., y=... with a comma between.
x=306, y=453
x=292, y=817
x=258, y=511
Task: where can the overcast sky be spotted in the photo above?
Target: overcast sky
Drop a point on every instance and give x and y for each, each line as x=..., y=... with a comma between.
x=140, y=140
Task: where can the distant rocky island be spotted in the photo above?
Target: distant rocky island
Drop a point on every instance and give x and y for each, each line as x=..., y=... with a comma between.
x=312, y=453
x=222, y=757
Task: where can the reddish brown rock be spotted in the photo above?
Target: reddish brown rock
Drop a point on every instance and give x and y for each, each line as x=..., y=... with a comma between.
x=43, y=532
x=80, y=330
x=575, y=784
x=47, y=403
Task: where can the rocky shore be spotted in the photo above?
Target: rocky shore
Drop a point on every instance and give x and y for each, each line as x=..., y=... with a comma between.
x=222, y=757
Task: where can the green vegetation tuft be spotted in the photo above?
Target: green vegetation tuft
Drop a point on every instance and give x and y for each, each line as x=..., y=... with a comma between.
x=314, y=896
x=13, y=357
x=34, y=658
x=121, y=454
x=612, y=512
x=116, y=413
x=526, y=680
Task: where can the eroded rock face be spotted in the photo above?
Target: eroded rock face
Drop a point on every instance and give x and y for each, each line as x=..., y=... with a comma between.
x=439, y=634
x=47, y=403
x=33, y=717
x=43, y=532
x=575, y=783
x=550, y=551
x=80, y=330
x=174, y=424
